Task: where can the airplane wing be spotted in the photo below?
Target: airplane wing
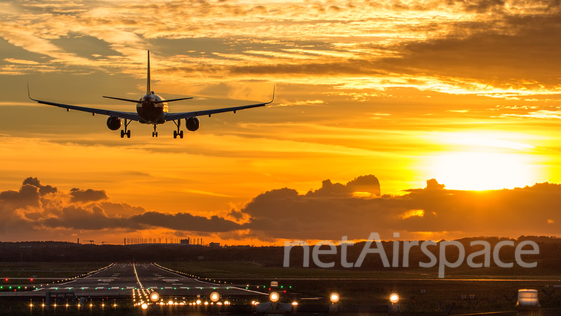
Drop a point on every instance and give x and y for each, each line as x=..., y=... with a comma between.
x=126, y=115
x=186, y=115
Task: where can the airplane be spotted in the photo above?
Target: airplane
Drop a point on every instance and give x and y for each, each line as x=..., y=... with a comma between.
x=151, y=109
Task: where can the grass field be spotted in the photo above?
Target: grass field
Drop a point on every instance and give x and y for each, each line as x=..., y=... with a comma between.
x=240, y=269
x=420, y=289
x=23, y=272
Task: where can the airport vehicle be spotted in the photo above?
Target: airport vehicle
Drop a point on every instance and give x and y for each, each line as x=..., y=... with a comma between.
x=151, y=109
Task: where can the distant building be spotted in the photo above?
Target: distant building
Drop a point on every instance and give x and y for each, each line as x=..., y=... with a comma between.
x=185, y=241
x=214, y=245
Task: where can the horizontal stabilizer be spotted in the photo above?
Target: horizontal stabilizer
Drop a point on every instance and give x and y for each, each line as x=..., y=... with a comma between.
x=172, y=100
x=120, y=99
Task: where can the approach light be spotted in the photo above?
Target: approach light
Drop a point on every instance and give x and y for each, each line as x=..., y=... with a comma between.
x=154, y=296
x=170, y=302
x=294, y=303
x=144, y=306
x=198, y=302
x=274, y=297
x=214, y=296
x=394, y=298
x=334, y=297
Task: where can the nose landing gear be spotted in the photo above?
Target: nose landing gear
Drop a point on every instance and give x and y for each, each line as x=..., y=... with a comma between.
x=154, y=133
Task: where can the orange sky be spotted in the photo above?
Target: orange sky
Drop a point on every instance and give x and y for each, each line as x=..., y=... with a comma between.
x=463, y=92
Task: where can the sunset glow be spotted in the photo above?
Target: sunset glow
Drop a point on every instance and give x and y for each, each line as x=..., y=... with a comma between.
x=483, y=170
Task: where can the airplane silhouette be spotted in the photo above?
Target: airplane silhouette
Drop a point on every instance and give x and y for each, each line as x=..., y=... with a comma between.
x=151, y=109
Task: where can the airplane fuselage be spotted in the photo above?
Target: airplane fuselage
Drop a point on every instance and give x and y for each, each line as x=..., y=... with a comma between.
x=151, y=112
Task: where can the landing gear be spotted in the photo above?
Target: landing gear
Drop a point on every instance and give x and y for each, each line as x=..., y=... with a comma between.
x=126, y=131
x=154, y=133
x=178, y=132
x=175, y=134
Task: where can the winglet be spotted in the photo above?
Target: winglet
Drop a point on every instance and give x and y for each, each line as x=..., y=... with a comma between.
x=29, y=93
x=273, y=99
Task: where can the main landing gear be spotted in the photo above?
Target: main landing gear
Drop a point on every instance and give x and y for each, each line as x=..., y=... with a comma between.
x=178, y=132
x=154, y=133
x=126, y=131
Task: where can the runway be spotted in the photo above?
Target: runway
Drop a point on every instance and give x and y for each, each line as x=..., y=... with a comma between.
x=121, y=279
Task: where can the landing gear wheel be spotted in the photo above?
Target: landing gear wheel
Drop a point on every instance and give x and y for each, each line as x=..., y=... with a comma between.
x=125, y=131
x=178, y=132
x=154, y=133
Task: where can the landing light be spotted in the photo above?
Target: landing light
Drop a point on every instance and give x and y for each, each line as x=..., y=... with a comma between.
x=155, y=296
x=214, y=296
x=334, y=297
x=274, y=297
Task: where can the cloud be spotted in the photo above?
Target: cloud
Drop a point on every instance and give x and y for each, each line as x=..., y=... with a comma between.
x=20, y=61
x=236, y=215
x=185, y=222
x=38, y=210
x=86, y=218
x=483, y=6
x=86, y=196
x=368, y=185
x=432, y=184
x=330, y=212
x=43, y=189
x=28, y=195
x=453, y=46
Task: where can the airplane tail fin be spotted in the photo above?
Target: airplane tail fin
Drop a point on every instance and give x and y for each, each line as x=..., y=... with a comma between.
x=148, y=90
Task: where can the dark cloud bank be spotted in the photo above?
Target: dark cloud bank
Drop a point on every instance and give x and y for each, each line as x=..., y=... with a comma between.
x=354, y=209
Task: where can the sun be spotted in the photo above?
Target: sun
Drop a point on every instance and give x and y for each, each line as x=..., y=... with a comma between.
x=483, y=170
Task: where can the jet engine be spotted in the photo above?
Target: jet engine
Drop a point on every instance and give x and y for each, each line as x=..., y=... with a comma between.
x=114, y=123
x=192, y=123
